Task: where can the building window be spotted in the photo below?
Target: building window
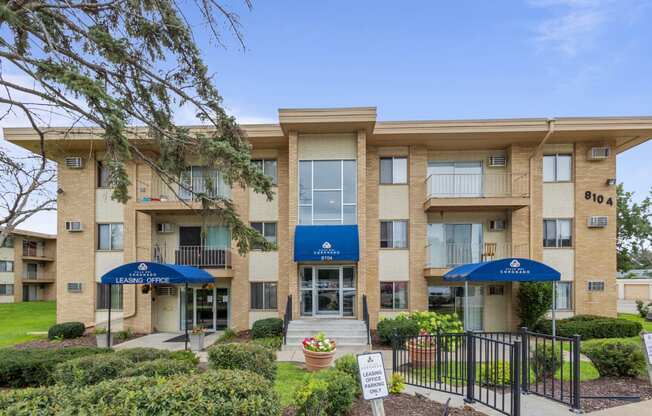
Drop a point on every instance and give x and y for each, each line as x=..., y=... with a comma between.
x=393, y=170
x=198, y=181
x=6, y=266
x=267, y=229
x=327, y=192
x=103, y=297
x=109, y=236
x=393, y=295
x=496, y=290
x=557, y=233
x=6, y=290
x=268, y=167
x=32, y=248
x=8, y=243
x=557, y=168
x=393, y=234
x=103, y=175
x=263, y=295
x=596, y=286
x=30, y=271
x=564, y=296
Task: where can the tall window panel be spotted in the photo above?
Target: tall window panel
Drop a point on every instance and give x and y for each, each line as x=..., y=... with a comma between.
x=110, y=236
x=564, y=296
x=103, y=296
x=269, y=168
x=6, y=266
x=263, y=295
x=557, y=233
x=557, y=168
x=327, y=192
x=394, y=234
x=267, y=229
x=393, y=170
x=6, y=290
x=393, y=295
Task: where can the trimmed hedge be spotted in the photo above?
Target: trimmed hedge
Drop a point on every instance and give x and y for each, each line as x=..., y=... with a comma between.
x=246, y=356
x=140, y=354
x=615, y=357
x=264, y=328
x=326, y=393
x=66, y=330
x=387, y=328
x=591, y=326
x=216, y=393
x=90, y=370
x=34, y=367
x=162, y=367
x=546, y=360
x=182, y=355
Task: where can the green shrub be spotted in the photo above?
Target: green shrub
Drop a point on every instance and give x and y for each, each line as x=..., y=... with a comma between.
x=34, y=367
x=228, y=335
x=326, y=393
x=493, y=374
x=396, y=383
x=388, y=328
x=182, y=355
x=642, y=308
x=591, y=326
x=349, y=364
x=270, y=327
x=89, y=370
x=216, y=393
x=615, y=357
x=66, y=330
x=545, y=360
x=247, y=356
x=137, y=355
x=162, y=367
x=274, y=343
x=432, y=322
x=534, y=300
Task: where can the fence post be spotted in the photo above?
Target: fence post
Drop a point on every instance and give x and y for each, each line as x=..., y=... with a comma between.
x=516, y=390
x=438, y=355
x=394, y=352
x=577, y=406
x=525, y=360
x=470, y=368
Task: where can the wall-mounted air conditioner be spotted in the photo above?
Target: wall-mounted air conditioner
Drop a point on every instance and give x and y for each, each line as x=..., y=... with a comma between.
x=599, y=153
x=74, y=226
x=74, y=287
x=597, y=222
x=497, y=225
x=73, y=162
x=497, y=161
x=164, y=228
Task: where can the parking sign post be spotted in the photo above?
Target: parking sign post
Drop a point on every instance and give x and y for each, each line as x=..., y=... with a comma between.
x=373, y=380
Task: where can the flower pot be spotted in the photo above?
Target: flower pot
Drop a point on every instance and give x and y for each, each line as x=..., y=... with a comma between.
x=197, y=342
x=421, y=355
x=318, y=360
x=103, y=340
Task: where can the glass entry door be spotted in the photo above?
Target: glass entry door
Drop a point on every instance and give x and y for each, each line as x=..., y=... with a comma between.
x=327, y=291
x=205, y=307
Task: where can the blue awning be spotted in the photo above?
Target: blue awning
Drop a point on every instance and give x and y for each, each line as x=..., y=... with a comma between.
x=504, y=270
x=149, y=273
x=326, y=243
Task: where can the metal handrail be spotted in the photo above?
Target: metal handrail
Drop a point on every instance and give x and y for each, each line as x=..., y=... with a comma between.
x=365, y=317
x=287, y=318
x=202, y=256
x=455, y=254
x=480, y=185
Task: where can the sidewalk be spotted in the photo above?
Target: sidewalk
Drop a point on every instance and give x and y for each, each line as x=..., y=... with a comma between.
x=635, y=409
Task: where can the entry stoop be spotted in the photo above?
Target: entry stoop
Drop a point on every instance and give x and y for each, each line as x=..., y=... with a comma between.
x=347, y=333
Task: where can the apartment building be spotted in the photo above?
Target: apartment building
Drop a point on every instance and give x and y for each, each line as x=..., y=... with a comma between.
x=28, y=267
x=364, y=210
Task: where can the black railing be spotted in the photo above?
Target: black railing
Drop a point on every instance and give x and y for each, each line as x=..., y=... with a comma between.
x=365, y=317
x=202, y=256
x=287, y=318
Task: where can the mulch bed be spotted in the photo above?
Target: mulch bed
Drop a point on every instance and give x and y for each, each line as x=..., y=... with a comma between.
x=612, y=386
x=87, y=340
x=404, y=405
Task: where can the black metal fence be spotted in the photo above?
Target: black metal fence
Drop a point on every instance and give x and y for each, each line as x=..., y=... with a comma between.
x=287, y=317
x=492, y=368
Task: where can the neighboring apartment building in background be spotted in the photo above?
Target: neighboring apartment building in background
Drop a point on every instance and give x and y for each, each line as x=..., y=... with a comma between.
x=28, y=267
x=423, y=196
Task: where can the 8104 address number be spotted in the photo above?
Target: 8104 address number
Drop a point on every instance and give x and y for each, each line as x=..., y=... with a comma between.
x=600, y=199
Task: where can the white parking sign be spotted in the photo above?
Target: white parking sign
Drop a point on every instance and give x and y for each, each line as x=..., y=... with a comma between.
x=372, y=376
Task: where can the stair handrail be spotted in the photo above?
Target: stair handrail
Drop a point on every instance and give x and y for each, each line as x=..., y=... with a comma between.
x=365, y=317
x=287, y=318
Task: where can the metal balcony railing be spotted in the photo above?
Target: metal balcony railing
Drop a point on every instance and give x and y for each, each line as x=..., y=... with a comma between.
x=33, y=250
x=189, y=188
x=202, y=256
x=444, y=255
x=461, y=185
x=31, y=274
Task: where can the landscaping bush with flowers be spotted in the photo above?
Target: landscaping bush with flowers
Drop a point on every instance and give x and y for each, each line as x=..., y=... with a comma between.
x=409, y=324
x=319, y=343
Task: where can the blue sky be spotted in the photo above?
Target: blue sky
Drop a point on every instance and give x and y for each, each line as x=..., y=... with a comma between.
x=442, y=60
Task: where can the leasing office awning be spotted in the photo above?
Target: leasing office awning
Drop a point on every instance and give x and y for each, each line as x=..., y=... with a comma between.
x=326, y=243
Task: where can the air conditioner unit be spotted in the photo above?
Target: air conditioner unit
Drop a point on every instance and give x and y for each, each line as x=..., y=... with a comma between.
x=497, y=225
x=74, y=226
x=164, y=228
x=74, y=287
x=599, y=153
x=73, y=162
x=598, y=222
x=497, y=161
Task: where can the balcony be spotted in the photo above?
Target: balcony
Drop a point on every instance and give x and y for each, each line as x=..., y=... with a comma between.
x=35, y=252
x=36, y=276
x=440, y=257
x=197, y=256
x=461, y=191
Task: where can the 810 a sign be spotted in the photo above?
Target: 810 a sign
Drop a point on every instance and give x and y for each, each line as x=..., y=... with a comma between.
x=600, y=199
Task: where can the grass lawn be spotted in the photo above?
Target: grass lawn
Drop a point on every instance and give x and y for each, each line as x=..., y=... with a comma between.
x=647, y=325
x=587, y=371
x=17, y=319
x=288, y=378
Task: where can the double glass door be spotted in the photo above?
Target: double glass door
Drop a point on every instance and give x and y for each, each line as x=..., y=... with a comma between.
x=206, y=308
x=327, y=291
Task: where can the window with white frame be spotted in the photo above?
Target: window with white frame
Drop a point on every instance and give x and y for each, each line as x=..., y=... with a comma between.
x=203, y=180
x=596, y=286
x=327, y=192
x=110, y=236
x=263, y=295
x=393, y=295
x=267, y=229
x=557, y=233
x=268, y=166
x=6, y=290
x=8, y=243
x=557, y=168
x=6, y=266
x=103, y=175
x=394, y=234
x=564, y=296
x=103, y=296
x=393, y=170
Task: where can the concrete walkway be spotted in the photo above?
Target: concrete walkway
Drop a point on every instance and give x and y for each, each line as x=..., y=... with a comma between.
x=158, y=340
x=635, y=409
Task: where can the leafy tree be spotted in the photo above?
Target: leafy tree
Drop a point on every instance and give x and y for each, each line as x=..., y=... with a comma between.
x=634, y=230
x=114, y=64
x=534, y=300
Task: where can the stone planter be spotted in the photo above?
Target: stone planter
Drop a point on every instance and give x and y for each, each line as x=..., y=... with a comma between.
x=197, y=342
x=316, y=361
x=421, y=356
x=103, y=340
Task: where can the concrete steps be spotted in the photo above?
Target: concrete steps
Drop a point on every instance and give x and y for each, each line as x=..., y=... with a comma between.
x=348, y=333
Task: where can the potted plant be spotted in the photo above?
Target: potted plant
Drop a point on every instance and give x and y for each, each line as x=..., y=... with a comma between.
x=102, y=338
x=422, y=348
x=197, y=338
x=318, y=352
